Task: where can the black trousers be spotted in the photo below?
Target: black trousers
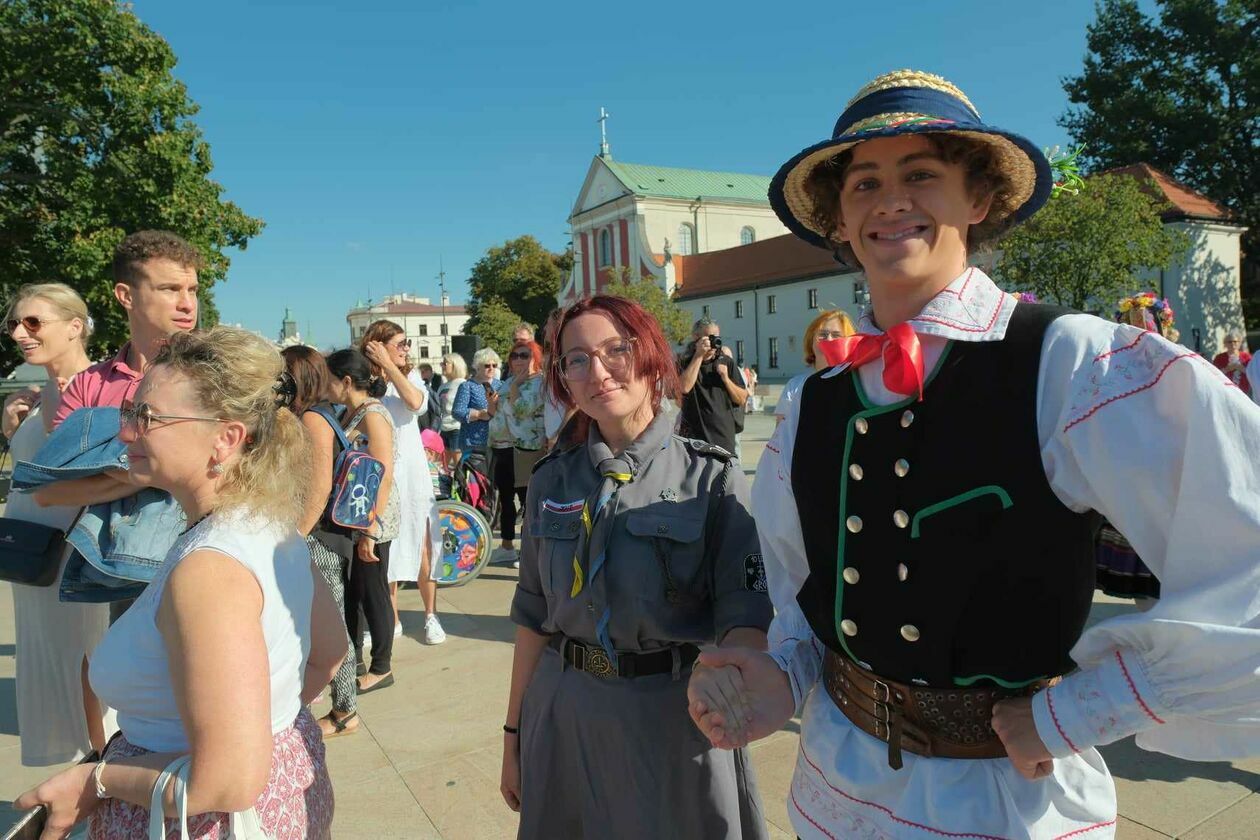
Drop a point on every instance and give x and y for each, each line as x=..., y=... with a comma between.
x=504, y=479
x=368, y=588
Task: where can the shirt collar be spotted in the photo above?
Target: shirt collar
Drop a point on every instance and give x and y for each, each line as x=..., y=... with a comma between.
x=652, y=440
x=118, y=364
x=971, y=308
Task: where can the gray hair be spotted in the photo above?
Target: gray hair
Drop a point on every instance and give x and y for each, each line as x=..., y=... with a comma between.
x=459, y=368
x=485, y=356
x=706, y=321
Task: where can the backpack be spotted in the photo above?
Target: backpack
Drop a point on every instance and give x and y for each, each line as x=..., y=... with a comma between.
x=356, y=478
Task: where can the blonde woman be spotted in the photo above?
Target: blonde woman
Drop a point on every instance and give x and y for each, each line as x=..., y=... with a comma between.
x=827, y=326
x=246, y=633
x=454, y=372
x=59, y=722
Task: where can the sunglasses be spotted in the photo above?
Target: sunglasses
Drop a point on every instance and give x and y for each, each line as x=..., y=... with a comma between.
x=31, y=323
x=142, y=417
x=405, y=344
x=523, y=354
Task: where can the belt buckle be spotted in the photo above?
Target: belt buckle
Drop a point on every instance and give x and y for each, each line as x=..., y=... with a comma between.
x=597, y=663
x=882, y=704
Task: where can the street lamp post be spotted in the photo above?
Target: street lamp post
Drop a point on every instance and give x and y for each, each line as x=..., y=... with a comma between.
x=442, y=291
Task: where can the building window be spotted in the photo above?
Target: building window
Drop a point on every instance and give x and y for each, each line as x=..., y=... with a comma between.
x=686, y=239
x=605, y=248
x=739, y=352
x=424, y=351
x=813, y=298
x=774, y=352
x=445, y=349
x=747, y=236
x=739, y=309
x=424, y=329
x=443, y=329
x=704, y=311
x=772, y=305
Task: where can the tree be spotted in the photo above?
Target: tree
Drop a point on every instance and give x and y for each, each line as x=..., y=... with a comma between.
x=1086, y=250
x=520, y=277
x=674, y=320
x=97, y=141
x=1182, y=94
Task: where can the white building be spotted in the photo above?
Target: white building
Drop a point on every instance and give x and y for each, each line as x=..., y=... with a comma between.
x=428, y=326
x=633, y=216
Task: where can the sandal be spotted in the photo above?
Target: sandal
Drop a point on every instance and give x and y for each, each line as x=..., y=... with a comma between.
x=340, y=726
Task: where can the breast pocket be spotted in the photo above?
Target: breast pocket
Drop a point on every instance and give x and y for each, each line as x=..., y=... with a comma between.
x=558, y=534
x=678, y=553
x=969, y=516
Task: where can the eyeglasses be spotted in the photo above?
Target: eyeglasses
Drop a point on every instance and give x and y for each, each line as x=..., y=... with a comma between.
x=405, y=344
x=615, y=353
x=522, y=355
x=31, y=323
x=490, y=364
x=141, y=415
x=829, y=335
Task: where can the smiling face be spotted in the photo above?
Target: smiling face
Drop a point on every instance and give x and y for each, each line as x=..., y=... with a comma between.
x=606, y=396
x=55, y=335
x=905, y=212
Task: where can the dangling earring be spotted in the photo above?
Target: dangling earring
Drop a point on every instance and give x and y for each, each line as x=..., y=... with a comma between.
x=217, y=469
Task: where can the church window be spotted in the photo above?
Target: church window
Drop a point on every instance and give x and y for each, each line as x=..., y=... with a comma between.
x=747, y=235
x=686, y=239
x=605, y=248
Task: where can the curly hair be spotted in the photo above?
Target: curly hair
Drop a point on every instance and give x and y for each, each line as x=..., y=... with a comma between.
x=234, y=374
x=145, y=245
x=983, y=175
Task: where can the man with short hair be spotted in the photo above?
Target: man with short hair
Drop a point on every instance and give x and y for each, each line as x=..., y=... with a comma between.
x=522, y=332
x=712, y=387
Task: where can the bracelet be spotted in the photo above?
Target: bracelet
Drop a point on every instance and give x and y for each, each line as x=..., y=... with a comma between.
x=96, y=777
x=511, y=730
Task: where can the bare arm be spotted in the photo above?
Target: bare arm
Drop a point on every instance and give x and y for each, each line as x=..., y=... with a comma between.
x=380, y=434
x=737, y=393
x=328, y=640
x=747, y=637
x=320, y=482
x=692, y=371
x=209, y=619
x=525, y=655
x=92, y=490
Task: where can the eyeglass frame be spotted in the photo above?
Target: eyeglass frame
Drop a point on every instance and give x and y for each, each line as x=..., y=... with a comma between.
x=405, y=343
x=829, y=335
x=594, y=353
x=130, y=415
x=12, y=324
x=522, y=355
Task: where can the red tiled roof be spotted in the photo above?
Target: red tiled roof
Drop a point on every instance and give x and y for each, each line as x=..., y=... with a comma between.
x=780, y=258
x=1185, y=201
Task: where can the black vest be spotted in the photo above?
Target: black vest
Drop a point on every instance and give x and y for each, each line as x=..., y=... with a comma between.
x=938, y=554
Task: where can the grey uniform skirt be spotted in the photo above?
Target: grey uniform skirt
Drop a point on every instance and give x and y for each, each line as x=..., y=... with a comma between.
x=605, y=759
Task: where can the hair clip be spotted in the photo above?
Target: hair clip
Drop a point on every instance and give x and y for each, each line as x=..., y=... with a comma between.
x=285, y=389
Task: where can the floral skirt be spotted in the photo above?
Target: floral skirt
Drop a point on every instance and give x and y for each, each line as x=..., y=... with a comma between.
x=296, y=804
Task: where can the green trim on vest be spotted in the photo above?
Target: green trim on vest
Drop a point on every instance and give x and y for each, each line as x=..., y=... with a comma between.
x=954, y=501
x=871, y=410
x=967, y=681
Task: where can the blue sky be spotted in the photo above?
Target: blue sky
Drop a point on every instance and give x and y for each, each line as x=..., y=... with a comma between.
x=377, y=138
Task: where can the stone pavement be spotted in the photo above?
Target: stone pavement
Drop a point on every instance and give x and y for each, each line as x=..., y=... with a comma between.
x=425, y=762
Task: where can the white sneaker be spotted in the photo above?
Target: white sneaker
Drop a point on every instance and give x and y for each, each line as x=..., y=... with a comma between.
x=433, y=632
x=398, y=630
x=516, y=564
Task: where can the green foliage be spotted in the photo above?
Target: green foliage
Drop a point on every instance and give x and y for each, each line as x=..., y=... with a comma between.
x=674, y=320
x=97, y=141
x=1086, y=250
x=1181, y=93
x=516, y=281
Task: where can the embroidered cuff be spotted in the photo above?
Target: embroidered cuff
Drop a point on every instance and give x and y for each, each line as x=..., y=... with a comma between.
x=801, y=661
x=1098, y=705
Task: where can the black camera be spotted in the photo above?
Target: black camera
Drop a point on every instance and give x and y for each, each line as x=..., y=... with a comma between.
x=715, y=341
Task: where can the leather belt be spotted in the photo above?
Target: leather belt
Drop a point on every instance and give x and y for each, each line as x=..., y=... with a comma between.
x=593, y=660
x=933, y=722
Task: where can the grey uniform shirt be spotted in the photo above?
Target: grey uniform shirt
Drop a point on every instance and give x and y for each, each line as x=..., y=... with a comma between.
x=683, y=560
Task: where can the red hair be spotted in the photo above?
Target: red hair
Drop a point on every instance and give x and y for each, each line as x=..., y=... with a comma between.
x=653, y=359
x=535, y=354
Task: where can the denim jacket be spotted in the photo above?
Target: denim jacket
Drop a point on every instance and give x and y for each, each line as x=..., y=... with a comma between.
x=119, y=545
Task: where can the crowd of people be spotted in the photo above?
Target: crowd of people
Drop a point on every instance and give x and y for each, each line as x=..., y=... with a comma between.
x=910, y=572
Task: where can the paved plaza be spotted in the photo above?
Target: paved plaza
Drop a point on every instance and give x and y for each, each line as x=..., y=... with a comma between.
x=425, y=763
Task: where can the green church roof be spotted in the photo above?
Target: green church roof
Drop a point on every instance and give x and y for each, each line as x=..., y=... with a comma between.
x=669, y=182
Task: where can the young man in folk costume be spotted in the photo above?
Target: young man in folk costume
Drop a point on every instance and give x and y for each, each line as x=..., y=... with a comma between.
x=927, y=512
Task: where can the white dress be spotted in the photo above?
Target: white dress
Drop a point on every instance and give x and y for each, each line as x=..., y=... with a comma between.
x=1184, y=676
x=52, y=638
x=413, y=486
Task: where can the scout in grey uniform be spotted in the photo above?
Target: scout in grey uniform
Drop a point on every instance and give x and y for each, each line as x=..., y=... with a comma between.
x=607, y=748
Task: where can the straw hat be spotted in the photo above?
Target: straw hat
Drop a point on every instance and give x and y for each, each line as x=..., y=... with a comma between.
x=911, y=102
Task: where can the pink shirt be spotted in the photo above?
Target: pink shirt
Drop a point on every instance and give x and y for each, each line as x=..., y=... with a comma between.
x=108, y=383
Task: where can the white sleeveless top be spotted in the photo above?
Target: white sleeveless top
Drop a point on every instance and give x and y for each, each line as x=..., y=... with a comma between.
x=129, y=669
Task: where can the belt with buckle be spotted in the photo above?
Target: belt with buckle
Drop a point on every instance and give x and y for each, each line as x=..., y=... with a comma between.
x=594, y=660
x=933, y=722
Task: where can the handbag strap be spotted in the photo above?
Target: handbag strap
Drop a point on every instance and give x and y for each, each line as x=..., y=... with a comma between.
x=177, y=772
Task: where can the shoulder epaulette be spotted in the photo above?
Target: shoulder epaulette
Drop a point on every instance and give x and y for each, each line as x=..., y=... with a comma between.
x=705, y=448
x=553, y=455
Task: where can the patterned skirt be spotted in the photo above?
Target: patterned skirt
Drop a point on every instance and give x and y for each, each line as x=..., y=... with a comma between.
x=296, y=804
x=1121, y=573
